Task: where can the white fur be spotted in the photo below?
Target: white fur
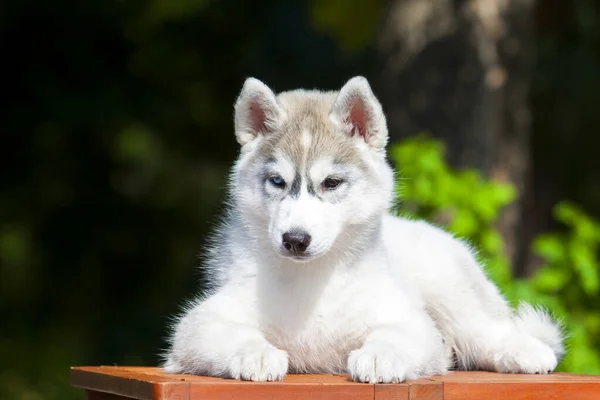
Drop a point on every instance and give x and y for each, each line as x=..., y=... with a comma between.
x=381, y=298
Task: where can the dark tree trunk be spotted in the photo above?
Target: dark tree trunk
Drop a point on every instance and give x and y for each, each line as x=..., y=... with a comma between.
x=460, y=70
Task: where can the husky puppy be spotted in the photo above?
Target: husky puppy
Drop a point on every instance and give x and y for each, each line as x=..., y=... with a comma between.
x=311, y=274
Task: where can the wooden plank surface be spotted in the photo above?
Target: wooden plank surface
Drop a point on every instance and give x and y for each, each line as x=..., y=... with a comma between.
x=426, y=389
x=93, y=395
x=292, y=387
x=421, y=389
x=523, y=391
x=147, y=383
x=494, y=377
x=141, y=383
x=490, y=385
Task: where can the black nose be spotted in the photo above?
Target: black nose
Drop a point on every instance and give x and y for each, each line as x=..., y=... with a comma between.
x=296, y=241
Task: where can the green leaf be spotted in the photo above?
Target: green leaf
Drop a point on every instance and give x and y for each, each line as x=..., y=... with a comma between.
x=464, y=223
x=550, y=248
x=549, y=280
x=492, y=242
x=586, y=267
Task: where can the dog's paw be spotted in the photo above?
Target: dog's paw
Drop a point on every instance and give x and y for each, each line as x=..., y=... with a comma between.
x=525, y=355
x=259, y=362
x=376, y=364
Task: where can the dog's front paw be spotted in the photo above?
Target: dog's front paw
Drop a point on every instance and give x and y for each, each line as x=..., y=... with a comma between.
x=376, y=364
x=259, y=362
x=525, y=355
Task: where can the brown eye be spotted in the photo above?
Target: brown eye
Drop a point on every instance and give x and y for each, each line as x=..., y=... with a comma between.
x=331, y=183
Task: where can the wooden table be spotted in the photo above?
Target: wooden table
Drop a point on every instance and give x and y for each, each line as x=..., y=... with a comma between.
x=145, y=383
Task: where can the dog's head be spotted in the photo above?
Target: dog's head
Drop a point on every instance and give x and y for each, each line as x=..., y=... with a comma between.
x=312, y=168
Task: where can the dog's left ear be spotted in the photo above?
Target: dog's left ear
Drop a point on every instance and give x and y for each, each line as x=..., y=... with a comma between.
x=357, y=112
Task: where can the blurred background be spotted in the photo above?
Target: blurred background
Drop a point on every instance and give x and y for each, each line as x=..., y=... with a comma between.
x=117, y=138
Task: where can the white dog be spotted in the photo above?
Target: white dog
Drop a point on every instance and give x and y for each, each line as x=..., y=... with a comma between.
x=310, y=273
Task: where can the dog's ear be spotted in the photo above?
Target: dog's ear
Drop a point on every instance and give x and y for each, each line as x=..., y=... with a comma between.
x=257, y=111
x=357, y=112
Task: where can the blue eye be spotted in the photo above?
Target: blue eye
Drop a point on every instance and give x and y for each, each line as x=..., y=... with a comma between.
x=277, y=181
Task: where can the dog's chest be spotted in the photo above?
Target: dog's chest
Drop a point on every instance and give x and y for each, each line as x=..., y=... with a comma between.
x=317, y=323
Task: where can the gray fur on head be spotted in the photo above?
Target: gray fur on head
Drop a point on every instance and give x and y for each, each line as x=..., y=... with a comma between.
x=355, y=111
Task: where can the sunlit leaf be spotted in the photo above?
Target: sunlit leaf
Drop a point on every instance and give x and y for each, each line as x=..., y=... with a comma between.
x=550, y=280
x=549, y=247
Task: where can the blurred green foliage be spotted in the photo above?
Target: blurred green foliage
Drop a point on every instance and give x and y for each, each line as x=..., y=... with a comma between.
x=467, y=204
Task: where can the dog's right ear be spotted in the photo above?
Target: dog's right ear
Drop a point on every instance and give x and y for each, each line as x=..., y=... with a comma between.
x=257, y=111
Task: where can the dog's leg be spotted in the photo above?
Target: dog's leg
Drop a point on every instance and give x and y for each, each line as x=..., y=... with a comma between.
x=395, y=354
x=220, y=337
x=474, y=318
x=482, y=340
x=482, y=329
x=402, y=342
